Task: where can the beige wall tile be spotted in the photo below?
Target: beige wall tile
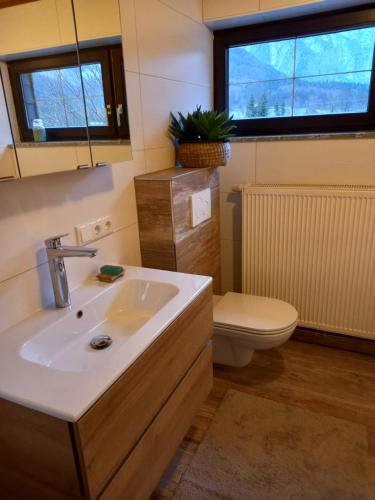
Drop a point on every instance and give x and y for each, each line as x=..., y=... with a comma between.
x=159, y=98
x=23, y=295
x=241, y=167
x=133, y=90
x=160, y=159
x=121, y=205
x=336, y=161
x=174, y=47
x=231, y=216
x=231, y=266
x=129, y=32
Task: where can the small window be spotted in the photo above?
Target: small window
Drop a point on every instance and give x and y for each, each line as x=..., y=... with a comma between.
x=286, y=78
x=50, y=89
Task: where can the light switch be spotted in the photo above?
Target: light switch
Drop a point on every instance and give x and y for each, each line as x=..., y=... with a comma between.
x=200, y=207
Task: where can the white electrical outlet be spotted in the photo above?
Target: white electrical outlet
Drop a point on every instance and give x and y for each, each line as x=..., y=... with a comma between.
x=200, y=207
x=94, y=230
x=106, y=224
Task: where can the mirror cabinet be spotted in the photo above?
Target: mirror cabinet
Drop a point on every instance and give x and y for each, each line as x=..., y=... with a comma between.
x=62, y=94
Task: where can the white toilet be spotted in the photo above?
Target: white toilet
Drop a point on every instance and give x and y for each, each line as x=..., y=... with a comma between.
x=244, y=323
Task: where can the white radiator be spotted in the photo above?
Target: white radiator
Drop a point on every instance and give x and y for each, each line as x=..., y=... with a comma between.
x=313, y=247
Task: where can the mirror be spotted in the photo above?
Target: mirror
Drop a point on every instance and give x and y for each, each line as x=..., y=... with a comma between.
x=65, y=101
x=8, y=159
x=42, y=85
x=99, y=38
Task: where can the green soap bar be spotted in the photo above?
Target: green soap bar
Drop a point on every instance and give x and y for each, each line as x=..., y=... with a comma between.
x=112, y=270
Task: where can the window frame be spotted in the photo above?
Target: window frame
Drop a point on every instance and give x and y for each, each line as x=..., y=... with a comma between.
x=112, y=82
x=326, y=22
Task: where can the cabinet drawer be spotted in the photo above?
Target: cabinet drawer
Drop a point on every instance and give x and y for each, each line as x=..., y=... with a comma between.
x=108, y=432
x=141, y=472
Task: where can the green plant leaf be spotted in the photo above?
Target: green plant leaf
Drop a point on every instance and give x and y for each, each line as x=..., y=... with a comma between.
x=201, y=126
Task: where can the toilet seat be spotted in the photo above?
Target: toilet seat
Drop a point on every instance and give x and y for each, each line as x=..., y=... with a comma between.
x=240, y=332
x=245, y=314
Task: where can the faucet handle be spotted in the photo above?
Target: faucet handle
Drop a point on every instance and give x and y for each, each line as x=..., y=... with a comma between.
x=55, y=241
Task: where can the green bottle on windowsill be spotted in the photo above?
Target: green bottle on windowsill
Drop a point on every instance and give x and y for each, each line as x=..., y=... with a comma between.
x=39, y=130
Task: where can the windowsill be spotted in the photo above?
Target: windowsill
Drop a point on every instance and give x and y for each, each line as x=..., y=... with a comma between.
x=54, y=144
x=305, y=137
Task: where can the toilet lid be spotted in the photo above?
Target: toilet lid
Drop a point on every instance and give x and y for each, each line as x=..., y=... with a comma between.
x=253, y=313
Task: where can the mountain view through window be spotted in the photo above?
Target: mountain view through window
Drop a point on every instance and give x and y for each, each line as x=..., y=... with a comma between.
x=303, y=76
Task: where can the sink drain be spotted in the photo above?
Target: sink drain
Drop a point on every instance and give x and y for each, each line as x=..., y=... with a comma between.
x=101, y=342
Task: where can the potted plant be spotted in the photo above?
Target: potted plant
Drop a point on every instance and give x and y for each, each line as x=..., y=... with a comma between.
x=202, y=138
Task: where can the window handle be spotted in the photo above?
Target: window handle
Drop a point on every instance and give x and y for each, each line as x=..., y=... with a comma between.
x=108, y=112
x=119, y=113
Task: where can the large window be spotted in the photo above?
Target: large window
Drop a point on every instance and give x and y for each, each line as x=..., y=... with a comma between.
x=313, y=74
x=51, y=89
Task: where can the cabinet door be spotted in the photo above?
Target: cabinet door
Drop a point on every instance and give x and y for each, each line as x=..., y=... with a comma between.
x=28, y=27
x=111, y=428
x=283, y=4
x=97, y=19
x=139, y=475
x=43, y=86
x=217, y=9
x=37, y=461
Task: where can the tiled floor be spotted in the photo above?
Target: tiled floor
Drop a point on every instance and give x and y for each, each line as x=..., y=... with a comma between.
x=321, y=379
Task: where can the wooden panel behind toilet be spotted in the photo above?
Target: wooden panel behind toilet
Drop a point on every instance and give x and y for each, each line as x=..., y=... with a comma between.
x=167, y=239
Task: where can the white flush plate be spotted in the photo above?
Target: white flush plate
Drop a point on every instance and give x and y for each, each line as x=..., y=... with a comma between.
x=200, y=206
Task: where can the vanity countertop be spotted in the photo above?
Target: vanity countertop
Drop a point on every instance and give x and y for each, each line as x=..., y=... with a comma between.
x=46, y=362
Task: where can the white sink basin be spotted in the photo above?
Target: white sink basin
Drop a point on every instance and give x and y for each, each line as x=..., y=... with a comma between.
x=46, y=361
x=119, y=313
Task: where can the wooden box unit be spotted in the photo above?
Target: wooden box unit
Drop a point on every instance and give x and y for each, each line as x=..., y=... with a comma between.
x=120, y=447
x=167, y=239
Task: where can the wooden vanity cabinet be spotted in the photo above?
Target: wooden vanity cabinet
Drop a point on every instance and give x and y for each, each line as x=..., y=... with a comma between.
x=120, y=447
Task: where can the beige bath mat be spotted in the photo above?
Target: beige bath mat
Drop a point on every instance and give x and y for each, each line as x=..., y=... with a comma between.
x=257, y=449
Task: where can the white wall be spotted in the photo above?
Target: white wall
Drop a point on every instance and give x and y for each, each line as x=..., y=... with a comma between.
x=168, y=63
x=313, y=161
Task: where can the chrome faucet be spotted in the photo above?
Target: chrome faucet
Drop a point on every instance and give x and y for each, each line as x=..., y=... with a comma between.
x=56, y=253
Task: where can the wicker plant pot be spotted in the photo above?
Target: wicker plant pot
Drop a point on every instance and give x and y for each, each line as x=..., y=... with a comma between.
x=203, y=154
